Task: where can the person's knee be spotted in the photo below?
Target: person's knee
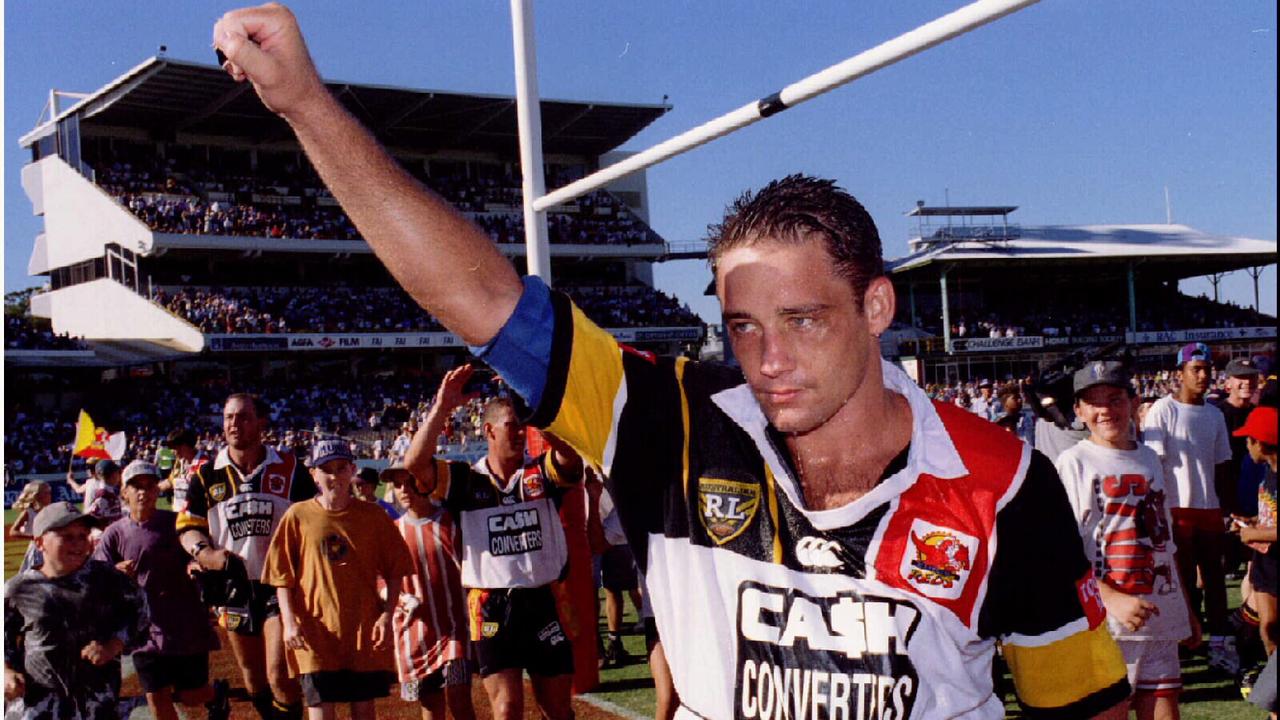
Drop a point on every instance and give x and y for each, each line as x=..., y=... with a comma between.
x=194, y=696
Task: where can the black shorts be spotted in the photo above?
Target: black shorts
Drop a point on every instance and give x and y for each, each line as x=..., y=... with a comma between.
x=248, y=619
x=345, y=686
x=618, y=569
x=180, y=672
x=518, y=628
x=1262, y=572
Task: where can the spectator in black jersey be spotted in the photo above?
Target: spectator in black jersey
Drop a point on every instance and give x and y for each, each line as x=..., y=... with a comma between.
x=776, y=546
x=234, y=504
x=515, y=548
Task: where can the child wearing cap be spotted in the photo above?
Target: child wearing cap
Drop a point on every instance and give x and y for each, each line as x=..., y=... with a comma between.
x=173, y=662
x=66, y=624
x=430, y=619
x=1116, y=488
x=325, y=560
x=1259, y=532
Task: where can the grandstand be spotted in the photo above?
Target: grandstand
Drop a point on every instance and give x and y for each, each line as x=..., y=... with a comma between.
x=979, y=296
x=190, y=248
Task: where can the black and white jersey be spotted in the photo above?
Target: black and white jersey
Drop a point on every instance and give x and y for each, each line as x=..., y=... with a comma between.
x=889, y=607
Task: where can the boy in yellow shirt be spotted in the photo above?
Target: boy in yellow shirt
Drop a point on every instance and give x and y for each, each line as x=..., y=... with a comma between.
x=325, y=560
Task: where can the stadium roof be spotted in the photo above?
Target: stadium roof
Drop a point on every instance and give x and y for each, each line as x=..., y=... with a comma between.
x=169, y=96
x=926, y=211
x=1168, y=251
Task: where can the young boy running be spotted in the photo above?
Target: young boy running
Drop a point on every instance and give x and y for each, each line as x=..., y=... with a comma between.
x=430, y=619
x=325, y=560
x=66, y=624
x=1116, y=488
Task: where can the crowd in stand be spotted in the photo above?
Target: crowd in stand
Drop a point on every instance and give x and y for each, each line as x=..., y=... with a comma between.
x=1063, y=318
x=22, y=332
x=172, y=197
x=336, y=309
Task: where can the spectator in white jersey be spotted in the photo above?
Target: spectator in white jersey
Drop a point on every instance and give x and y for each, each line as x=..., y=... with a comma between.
x=1190, y=436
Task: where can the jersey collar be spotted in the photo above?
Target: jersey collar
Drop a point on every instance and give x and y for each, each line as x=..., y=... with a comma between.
x=224, y=459
x=931, y=452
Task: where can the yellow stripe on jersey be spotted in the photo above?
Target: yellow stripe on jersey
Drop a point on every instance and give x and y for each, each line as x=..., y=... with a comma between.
x=186, y=521
x=771, y=486
x=585, y=418
x=1066, y=671
x=444, y=478
x=684, y=423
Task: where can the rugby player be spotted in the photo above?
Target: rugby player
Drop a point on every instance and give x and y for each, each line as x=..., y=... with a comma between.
x=513, y=549
x=234, y=504
x=821, y=540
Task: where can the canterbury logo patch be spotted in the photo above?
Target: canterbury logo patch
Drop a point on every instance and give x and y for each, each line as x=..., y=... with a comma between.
x=727, y=507
x=818, y=552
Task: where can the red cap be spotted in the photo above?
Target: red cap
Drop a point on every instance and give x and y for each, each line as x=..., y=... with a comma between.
x=1261, y=425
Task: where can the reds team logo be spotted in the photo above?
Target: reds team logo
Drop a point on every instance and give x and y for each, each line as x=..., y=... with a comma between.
x=275, y=484
x=533, y=488
x=938, y=560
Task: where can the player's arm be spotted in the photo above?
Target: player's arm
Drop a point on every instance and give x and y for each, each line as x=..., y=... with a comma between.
x=420, y=459
x=1045, y=606
x=446, y=263
x=193, y=528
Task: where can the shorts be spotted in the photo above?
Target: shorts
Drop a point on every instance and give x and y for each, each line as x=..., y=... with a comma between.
x=248, y=619
x=1153, y=666
x=453, y=673
x=618, y=569
x=518, y=628
x=345, y=686
x=1262, y=572
x=180, y=672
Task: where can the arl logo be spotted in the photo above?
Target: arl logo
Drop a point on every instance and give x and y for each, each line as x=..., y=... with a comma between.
x=938, y=561
x=727, y=507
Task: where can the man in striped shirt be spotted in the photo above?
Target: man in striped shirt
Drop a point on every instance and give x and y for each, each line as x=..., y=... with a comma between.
x=430, y=621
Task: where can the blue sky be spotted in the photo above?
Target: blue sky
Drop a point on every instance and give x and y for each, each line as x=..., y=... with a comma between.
x=1076, y=111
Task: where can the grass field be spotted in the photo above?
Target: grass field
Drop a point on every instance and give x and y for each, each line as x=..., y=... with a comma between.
x=1205, y=697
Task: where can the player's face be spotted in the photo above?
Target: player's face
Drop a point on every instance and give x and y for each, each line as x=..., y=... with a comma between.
x=363, y=490
x=241, y=425
x=140, y=496
x=1195, y=376
x=795, y=326
x=1106, y=410
x=65, y=549
x=505, y=433
x=44, y=496
x=406, y=495
x=333, y=478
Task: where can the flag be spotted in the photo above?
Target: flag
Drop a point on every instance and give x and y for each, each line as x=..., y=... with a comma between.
x=95, y=442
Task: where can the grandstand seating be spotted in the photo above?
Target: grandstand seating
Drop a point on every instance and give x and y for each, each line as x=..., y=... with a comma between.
x=334, y=309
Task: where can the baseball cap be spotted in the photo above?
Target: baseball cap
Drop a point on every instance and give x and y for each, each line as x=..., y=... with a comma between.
x=59, y=515
x=1193, y=351
x=138, y=468
x=105, y=468
x=1261, y=425
x=1103, y=372
x=368, y=475
x=1242, y=367
x=389, y=473
x=324, y=450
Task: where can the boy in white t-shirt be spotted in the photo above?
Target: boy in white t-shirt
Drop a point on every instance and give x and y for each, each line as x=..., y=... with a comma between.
x=1117, y=490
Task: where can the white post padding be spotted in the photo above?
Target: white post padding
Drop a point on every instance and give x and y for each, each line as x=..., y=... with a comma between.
x=529, y=122
x=904, y=46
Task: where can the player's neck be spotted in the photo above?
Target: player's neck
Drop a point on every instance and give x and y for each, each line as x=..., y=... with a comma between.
x=1189, y=397
x=248, y=458
x=504, y=466
x=335, y=501
x=845, y=457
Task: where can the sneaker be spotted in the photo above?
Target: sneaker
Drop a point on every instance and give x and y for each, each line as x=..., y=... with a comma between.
x=1248, y=679
x=220, y=706
x=615, y=654
x=1222, y=655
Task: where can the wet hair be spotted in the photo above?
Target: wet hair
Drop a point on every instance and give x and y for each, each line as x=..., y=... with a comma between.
x=260, y=407
x=799, y=208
